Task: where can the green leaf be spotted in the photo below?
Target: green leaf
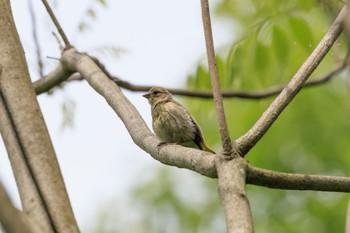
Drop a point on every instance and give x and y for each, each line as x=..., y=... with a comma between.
x=280, y=44
x=302, y=33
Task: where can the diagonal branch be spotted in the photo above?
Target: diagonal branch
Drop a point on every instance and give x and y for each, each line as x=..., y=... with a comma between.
x=174, y=155
x=248, y=140
x=182, y=157
x=57, y=24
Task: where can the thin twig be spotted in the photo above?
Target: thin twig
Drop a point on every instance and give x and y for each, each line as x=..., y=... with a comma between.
x=35, y=39
x=249, y=95
x=57, y=24
x=249, y=139
x=214, y=75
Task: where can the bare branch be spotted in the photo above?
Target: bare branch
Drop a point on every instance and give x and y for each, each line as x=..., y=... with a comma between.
x=57, y=24
x=30, y=134
x=232, y=177
x=35, y=39
x=196, y=160
x=52, y=79
x=347, y=220
x=215, y=82
x=10, y=217
x=248, y=140
x=182, y=157
x=291, y=181
x=42, y=86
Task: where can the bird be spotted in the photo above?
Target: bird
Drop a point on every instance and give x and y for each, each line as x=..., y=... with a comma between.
x=172, y=122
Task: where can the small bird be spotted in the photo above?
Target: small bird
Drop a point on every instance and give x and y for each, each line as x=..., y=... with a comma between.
x=172, y=122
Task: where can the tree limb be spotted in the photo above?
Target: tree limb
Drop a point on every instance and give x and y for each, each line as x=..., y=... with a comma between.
x=57, y=24
x=31, y=137
x=182, y=157
x=52, y=79
x=249, y=139
x=45, y=84
x=174, y=155
x=215, y=81
x=10, y=217
x=35, y=39
x=292, y=181
x=231, y=181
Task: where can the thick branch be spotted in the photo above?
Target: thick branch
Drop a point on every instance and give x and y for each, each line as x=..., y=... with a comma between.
x=232, y=177
x=215, y=81
x=196, y=160
x=52, y=79
x=10, y=217
x=179, y=156
x=30, y=196
x=30, y=135
x=248, y=140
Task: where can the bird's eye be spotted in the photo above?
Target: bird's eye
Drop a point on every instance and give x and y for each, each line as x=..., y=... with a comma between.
x=156, y=92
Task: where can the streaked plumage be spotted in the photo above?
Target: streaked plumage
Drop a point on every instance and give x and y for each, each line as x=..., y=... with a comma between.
x=171, y=121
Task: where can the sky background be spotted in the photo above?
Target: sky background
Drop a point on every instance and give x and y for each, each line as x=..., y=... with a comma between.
x=162, y=42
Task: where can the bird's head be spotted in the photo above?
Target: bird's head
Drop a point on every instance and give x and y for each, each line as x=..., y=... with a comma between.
x=157, y=95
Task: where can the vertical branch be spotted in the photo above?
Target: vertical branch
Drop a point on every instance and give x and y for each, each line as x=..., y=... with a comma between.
x=232, y=181
x=347, y=220
x=57, y=24
x=214, y=74
x=35, y=38
x=231, y=168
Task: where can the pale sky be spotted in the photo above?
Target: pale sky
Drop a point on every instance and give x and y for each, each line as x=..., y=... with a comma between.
x=163, y=41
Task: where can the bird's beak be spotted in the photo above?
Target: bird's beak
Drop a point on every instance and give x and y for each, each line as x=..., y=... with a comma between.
x=146, y=96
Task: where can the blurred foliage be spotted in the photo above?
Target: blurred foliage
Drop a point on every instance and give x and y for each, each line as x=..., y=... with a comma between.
x=310, y=137
x=68, y=107
x=312, y=134
x=165, y=201
x=90, y=14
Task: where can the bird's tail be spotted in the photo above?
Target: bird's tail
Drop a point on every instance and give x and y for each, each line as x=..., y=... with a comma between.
x=206, y=148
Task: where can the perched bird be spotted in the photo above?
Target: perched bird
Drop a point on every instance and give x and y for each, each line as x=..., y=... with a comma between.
x=172, y=122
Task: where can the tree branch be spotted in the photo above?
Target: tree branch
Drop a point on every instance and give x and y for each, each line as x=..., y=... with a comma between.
x=231, y=169
x=232, y=180
x=182, y=157
x=57, y=24
x=215, y=81
x=52, y=79
x=10, y=217
x=291, y=181
x=174, y=155
x=249, y=139
x=20, y=108
x=45, y=84
x=35, y=39
x=347, y=220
